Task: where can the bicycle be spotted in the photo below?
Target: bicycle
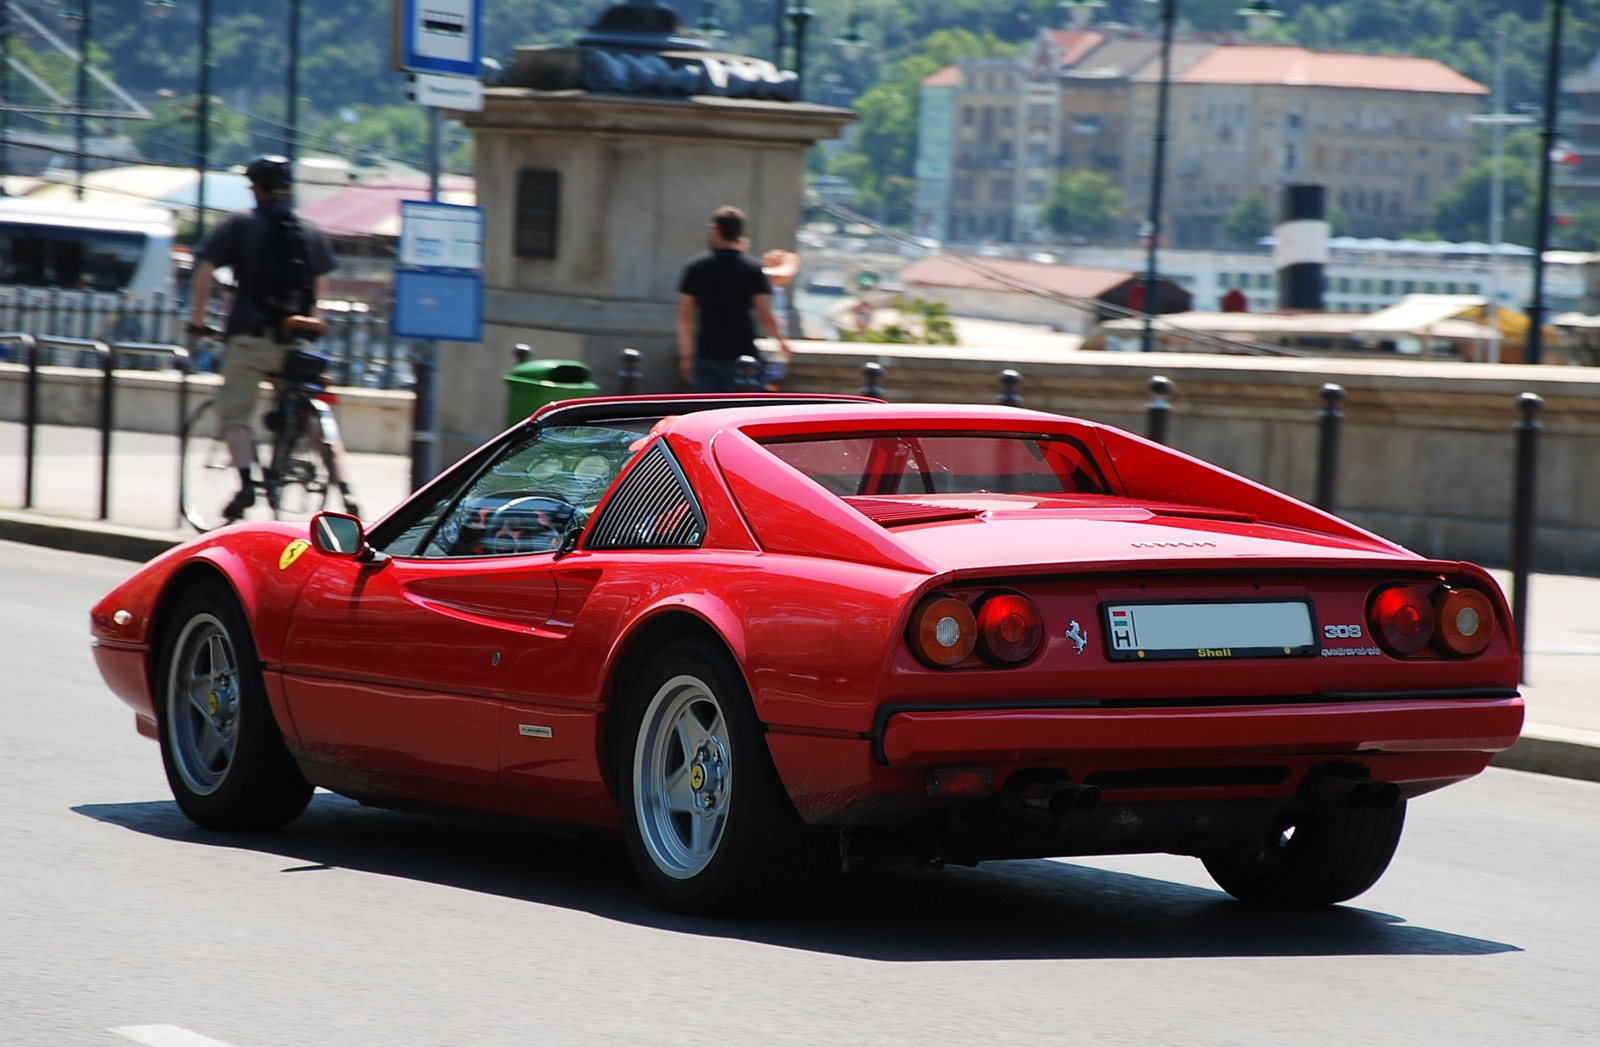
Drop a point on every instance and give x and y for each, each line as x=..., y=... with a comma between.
x=302, y=454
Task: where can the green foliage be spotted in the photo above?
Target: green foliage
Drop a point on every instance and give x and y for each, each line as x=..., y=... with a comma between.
x=933, y=326
x=1249, y=220
x=1462, y=212
x=881, y=160
x=1082, y=203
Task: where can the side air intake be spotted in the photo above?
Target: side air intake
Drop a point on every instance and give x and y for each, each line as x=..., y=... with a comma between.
x=651, y=509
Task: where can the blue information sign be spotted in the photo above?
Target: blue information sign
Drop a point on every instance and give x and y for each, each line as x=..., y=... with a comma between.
x=439, y=36
x=443, y=304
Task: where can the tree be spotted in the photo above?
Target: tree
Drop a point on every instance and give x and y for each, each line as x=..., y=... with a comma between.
x=881, y=160
x=1462, y=211
x=1248, y=221
x=1082, y=203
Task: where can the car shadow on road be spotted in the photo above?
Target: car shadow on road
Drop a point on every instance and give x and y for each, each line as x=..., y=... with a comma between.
x=999, y=911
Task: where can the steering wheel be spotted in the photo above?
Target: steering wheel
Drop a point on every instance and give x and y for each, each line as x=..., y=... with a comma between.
x=528, y=522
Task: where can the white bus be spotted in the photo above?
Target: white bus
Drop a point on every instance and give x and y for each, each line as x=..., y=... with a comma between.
x=96, y=250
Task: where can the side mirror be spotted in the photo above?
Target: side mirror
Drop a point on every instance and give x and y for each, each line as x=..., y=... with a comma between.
x=341, y=535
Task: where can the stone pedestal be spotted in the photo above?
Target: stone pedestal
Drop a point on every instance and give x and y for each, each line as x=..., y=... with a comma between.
x=616, y=193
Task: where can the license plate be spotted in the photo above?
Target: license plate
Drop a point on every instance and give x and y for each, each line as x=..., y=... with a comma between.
x=1209, y=629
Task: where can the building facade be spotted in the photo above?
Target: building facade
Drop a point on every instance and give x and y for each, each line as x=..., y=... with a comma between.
x=1385, y=135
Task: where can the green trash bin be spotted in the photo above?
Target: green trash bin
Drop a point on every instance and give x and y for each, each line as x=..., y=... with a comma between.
x=534, y=383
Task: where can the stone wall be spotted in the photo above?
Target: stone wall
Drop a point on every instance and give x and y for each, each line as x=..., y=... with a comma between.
x=370, y=420
x=1427, y=453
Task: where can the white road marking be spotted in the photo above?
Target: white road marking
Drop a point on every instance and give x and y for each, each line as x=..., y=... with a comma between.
x=166, y=1036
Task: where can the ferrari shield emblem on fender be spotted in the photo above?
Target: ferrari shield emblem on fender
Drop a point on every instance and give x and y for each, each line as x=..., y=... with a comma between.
x=1079, y=639
x=291, y=553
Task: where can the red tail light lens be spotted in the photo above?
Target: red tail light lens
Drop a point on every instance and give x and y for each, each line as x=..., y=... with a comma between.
x=1402, y=619
x=943, y=631
x=1466, y=621
x=1010, y=628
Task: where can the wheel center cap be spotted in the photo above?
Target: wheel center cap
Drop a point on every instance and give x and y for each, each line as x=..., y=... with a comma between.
x=706, y=776
x=212, y=704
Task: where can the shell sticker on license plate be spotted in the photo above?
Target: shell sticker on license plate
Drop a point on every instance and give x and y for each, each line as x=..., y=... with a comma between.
x=1209, y=629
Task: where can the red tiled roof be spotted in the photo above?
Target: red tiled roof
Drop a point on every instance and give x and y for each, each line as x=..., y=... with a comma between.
x=1068, y=46
x=967, y=274
x=949, y=76
x=1299, y=66
x=374, y=210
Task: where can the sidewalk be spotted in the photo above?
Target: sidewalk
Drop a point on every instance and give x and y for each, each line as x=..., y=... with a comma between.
x=1562, y=665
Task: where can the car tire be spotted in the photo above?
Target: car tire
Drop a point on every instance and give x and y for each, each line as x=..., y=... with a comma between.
x=1326, y=857
x=224, y=755
x=707, y=823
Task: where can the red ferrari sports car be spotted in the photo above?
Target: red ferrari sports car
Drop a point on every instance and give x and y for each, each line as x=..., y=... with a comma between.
x=768, y=638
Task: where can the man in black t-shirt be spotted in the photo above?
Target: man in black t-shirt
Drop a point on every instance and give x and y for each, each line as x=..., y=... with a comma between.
x=715, y=298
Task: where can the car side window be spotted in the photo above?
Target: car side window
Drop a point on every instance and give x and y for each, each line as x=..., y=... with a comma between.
x=539, y=493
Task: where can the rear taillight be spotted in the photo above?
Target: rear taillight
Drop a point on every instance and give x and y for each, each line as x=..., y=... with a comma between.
x=1010, y=628
x=1466, y=621
x=1402, y=619
x=943, y=631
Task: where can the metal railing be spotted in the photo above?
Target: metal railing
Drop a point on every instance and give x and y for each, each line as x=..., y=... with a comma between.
x=107, y=357
x=362, y=350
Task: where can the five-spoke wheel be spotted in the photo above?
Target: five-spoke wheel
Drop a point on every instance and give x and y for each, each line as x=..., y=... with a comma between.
x=224, y=756
x=708, y=824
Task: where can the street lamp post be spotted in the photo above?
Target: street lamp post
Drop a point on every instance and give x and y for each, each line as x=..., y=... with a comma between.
x=1169, y=16
x=5, y=93
x=202, y=120
x=291, y=133
x=1541, y=224
x=799, y=17
x=84, y=18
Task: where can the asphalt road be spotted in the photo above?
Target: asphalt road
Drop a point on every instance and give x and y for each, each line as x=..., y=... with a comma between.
x=121, y=923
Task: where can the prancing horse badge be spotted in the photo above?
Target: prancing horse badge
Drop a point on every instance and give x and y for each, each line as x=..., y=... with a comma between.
x=1079, y=639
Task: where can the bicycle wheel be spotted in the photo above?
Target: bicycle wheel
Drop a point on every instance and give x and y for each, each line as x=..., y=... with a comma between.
x=208, y=480
x=302, y=479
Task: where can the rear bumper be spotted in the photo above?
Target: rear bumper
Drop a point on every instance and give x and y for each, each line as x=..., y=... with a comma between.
x=925, y=737
x=1256, y=752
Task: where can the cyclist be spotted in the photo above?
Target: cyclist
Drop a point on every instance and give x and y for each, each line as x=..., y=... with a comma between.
x=280, y=263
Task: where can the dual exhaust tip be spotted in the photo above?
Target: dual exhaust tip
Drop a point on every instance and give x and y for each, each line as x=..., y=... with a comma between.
x=1053, y=799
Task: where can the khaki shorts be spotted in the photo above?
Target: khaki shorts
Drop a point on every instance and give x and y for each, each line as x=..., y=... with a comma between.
x=245, y=364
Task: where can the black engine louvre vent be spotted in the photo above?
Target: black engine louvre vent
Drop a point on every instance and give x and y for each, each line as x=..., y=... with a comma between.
x=651, y=509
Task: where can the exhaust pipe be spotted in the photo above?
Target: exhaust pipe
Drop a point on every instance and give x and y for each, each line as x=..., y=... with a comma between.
x=1055, y=799
x=1344, y=790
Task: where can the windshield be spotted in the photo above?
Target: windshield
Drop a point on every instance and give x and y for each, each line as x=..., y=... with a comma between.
x=945, y=463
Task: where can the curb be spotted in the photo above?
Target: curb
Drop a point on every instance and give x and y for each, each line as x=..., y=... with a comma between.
x=78, y=536
x=1560, y=751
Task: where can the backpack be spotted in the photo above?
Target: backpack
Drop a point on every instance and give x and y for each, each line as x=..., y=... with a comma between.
x=284, y=284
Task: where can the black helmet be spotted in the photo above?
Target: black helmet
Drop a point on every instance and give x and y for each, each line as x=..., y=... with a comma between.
x=270, y=173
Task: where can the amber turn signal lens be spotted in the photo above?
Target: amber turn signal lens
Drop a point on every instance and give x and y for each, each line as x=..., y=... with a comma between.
x=1402, y=619
x=943, y=631
x=1466, y=621
x=1010, y=628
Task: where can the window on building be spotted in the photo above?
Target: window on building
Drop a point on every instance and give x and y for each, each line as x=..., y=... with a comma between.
x=1429, y=287
x=966, y=115
x=1000, y=191
x=538, y=212
x=1408, y=287
x=1224, y=280
x=1008, y=117
x=1365, y=286
x=1386, y=287
x=1341, y=285
x=1450, y=287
